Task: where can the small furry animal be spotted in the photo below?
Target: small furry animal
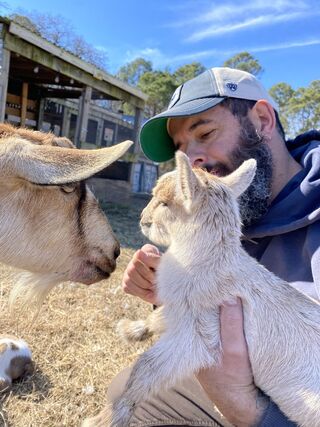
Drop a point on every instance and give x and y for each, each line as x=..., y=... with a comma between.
x=15, y=360
x=196, y=215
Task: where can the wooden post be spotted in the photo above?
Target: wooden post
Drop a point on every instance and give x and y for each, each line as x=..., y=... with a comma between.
x=66, y=121
x=115, y=136
x=24, y=102
x=41, y=113
x=4, y=76
x=138, y=117
x=99, y=133
x=136, y=148
x=82, y=119
x=78, y=123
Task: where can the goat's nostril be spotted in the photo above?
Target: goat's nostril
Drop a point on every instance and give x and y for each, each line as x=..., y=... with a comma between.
x=116, y=252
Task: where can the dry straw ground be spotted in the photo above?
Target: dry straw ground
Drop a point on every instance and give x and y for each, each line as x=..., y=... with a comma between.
x=73, y=340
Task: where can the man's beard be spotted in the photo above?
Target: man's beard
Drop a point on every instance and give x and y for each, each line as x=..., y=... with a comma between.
x=253, y=203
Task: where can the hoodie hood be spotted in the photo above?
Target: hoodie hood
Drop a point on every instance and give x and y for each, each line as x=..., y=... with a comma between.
x=298, y=203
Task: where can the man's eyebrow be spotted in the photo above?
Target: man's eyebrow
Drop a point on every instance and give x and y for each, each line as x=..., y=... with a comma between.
x=192, y=127
x=199, y=122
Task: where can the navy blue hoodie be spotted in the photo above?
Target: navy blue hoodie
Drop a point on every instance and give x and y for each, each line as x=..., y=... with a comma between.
x=287, y=239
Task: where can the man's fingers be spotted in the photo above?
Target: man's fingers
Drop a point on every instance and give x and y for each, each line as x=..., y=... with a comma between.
x=133, y=276
x=137, y=269
x=150, y=259
x=139, y=276
x=145, y=294
x=150, y=249
x=231, y=328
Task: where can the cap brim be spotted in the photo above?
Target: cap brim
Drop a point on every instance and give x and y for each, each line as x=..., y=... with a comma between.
x=155, y=141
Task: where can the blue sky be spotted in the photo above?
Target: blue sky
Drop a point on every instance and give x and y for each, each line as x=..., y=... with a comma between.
x=284, y=35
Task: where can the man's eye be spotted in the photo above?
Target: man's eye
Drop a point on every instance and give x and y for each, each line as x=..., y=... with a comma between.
x=207, y=134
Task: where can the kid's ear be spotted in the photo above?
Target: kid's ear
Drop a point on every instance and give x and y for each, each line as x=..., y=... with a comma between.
x=187, y=182
x=241, y=178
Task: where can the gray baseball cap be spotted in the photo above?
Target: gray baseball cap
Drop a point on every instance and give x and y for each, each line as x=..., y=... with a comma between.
x=196, y=96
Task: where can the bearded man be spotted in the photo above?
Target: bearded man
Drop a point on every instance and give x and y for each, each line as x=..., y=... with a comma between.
x=219, y=119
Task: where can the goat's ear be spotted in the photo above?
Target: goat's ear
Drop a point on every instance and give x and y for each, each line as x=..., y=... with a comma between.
x=187, y=182
x=46, y=164
x=241, y=178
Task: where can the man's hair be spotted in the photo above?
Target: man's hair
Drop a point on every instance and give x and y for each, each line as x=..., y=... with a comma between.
x=240, y=107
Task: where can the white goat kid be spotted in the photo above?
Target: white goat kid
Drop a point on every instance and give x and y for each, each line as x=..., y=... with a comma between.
x=50, y=222
x=196, y=215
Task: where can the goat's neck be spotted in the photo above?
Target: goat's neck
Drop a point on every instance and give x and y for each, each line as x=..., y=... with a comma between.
x=206, y=246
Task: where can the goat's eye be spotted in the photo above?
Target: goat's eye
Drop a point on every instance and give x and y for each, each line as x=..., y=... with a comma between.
x=70, y=188
x=163, y=204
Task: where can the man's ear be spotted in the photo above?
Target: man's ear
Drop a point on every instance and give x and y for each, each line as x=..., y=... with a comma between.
x=241, y=178
x=187, y=182
x=263, y=117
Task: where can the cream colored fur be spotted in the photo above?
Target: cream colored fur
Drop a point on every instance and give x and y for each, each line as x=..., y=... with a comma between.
x=139, y=330
x=196, y=215
x=51, y=225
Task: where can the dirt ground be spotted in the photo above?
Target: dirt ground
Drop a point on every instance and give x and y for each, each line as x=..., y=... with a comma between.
x=73, y=341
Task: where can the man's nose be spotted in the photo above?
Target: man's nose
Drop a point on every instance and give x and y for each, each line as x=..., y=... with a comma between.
x=196, y=155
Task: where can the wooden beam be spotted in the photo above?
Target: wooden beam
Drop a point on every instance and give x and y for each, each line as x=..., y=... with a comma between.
x=24, y=103
x=60, y=93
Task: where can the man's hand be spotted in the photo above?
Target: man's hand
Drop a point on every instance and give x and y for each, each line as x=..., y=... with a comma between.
x=230, y=385
x=139, y=276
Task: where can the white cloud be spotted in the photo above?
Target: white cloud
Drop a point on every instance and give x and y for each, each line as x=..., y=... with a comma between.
x=160, y=60
x=152, y=54
x=213, y=19
x=258, y=21
x=266, y=48
x=230, y=11
x=102, y=49
x=257, y=49
x=287, y=45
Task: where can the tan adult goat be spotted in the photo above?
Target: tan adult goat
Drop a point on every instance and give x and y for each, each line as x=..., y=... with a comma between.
x=51, y=224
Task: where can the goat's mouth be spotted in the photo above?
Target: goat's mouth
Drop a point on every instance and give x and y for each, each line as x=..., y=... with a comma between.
x=90, y=272
x=104, y=274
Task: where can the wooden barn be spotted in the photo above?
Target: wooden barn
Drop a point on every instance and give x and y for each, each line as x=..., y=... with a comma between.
x=45, y=87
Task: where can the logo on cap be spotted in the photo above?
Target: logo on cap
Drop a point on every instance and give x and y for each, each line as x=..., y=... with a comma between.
x=232, y=86
x=175, y=97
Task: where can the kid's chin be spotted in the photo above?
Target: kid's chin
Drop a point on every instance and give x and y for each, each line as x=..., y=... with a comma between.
x=154, y=236
x=159, y=241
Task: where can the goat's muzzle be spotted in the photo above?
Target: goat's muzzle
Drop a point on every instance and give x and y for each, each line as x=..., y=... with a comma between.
x=96, y=269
